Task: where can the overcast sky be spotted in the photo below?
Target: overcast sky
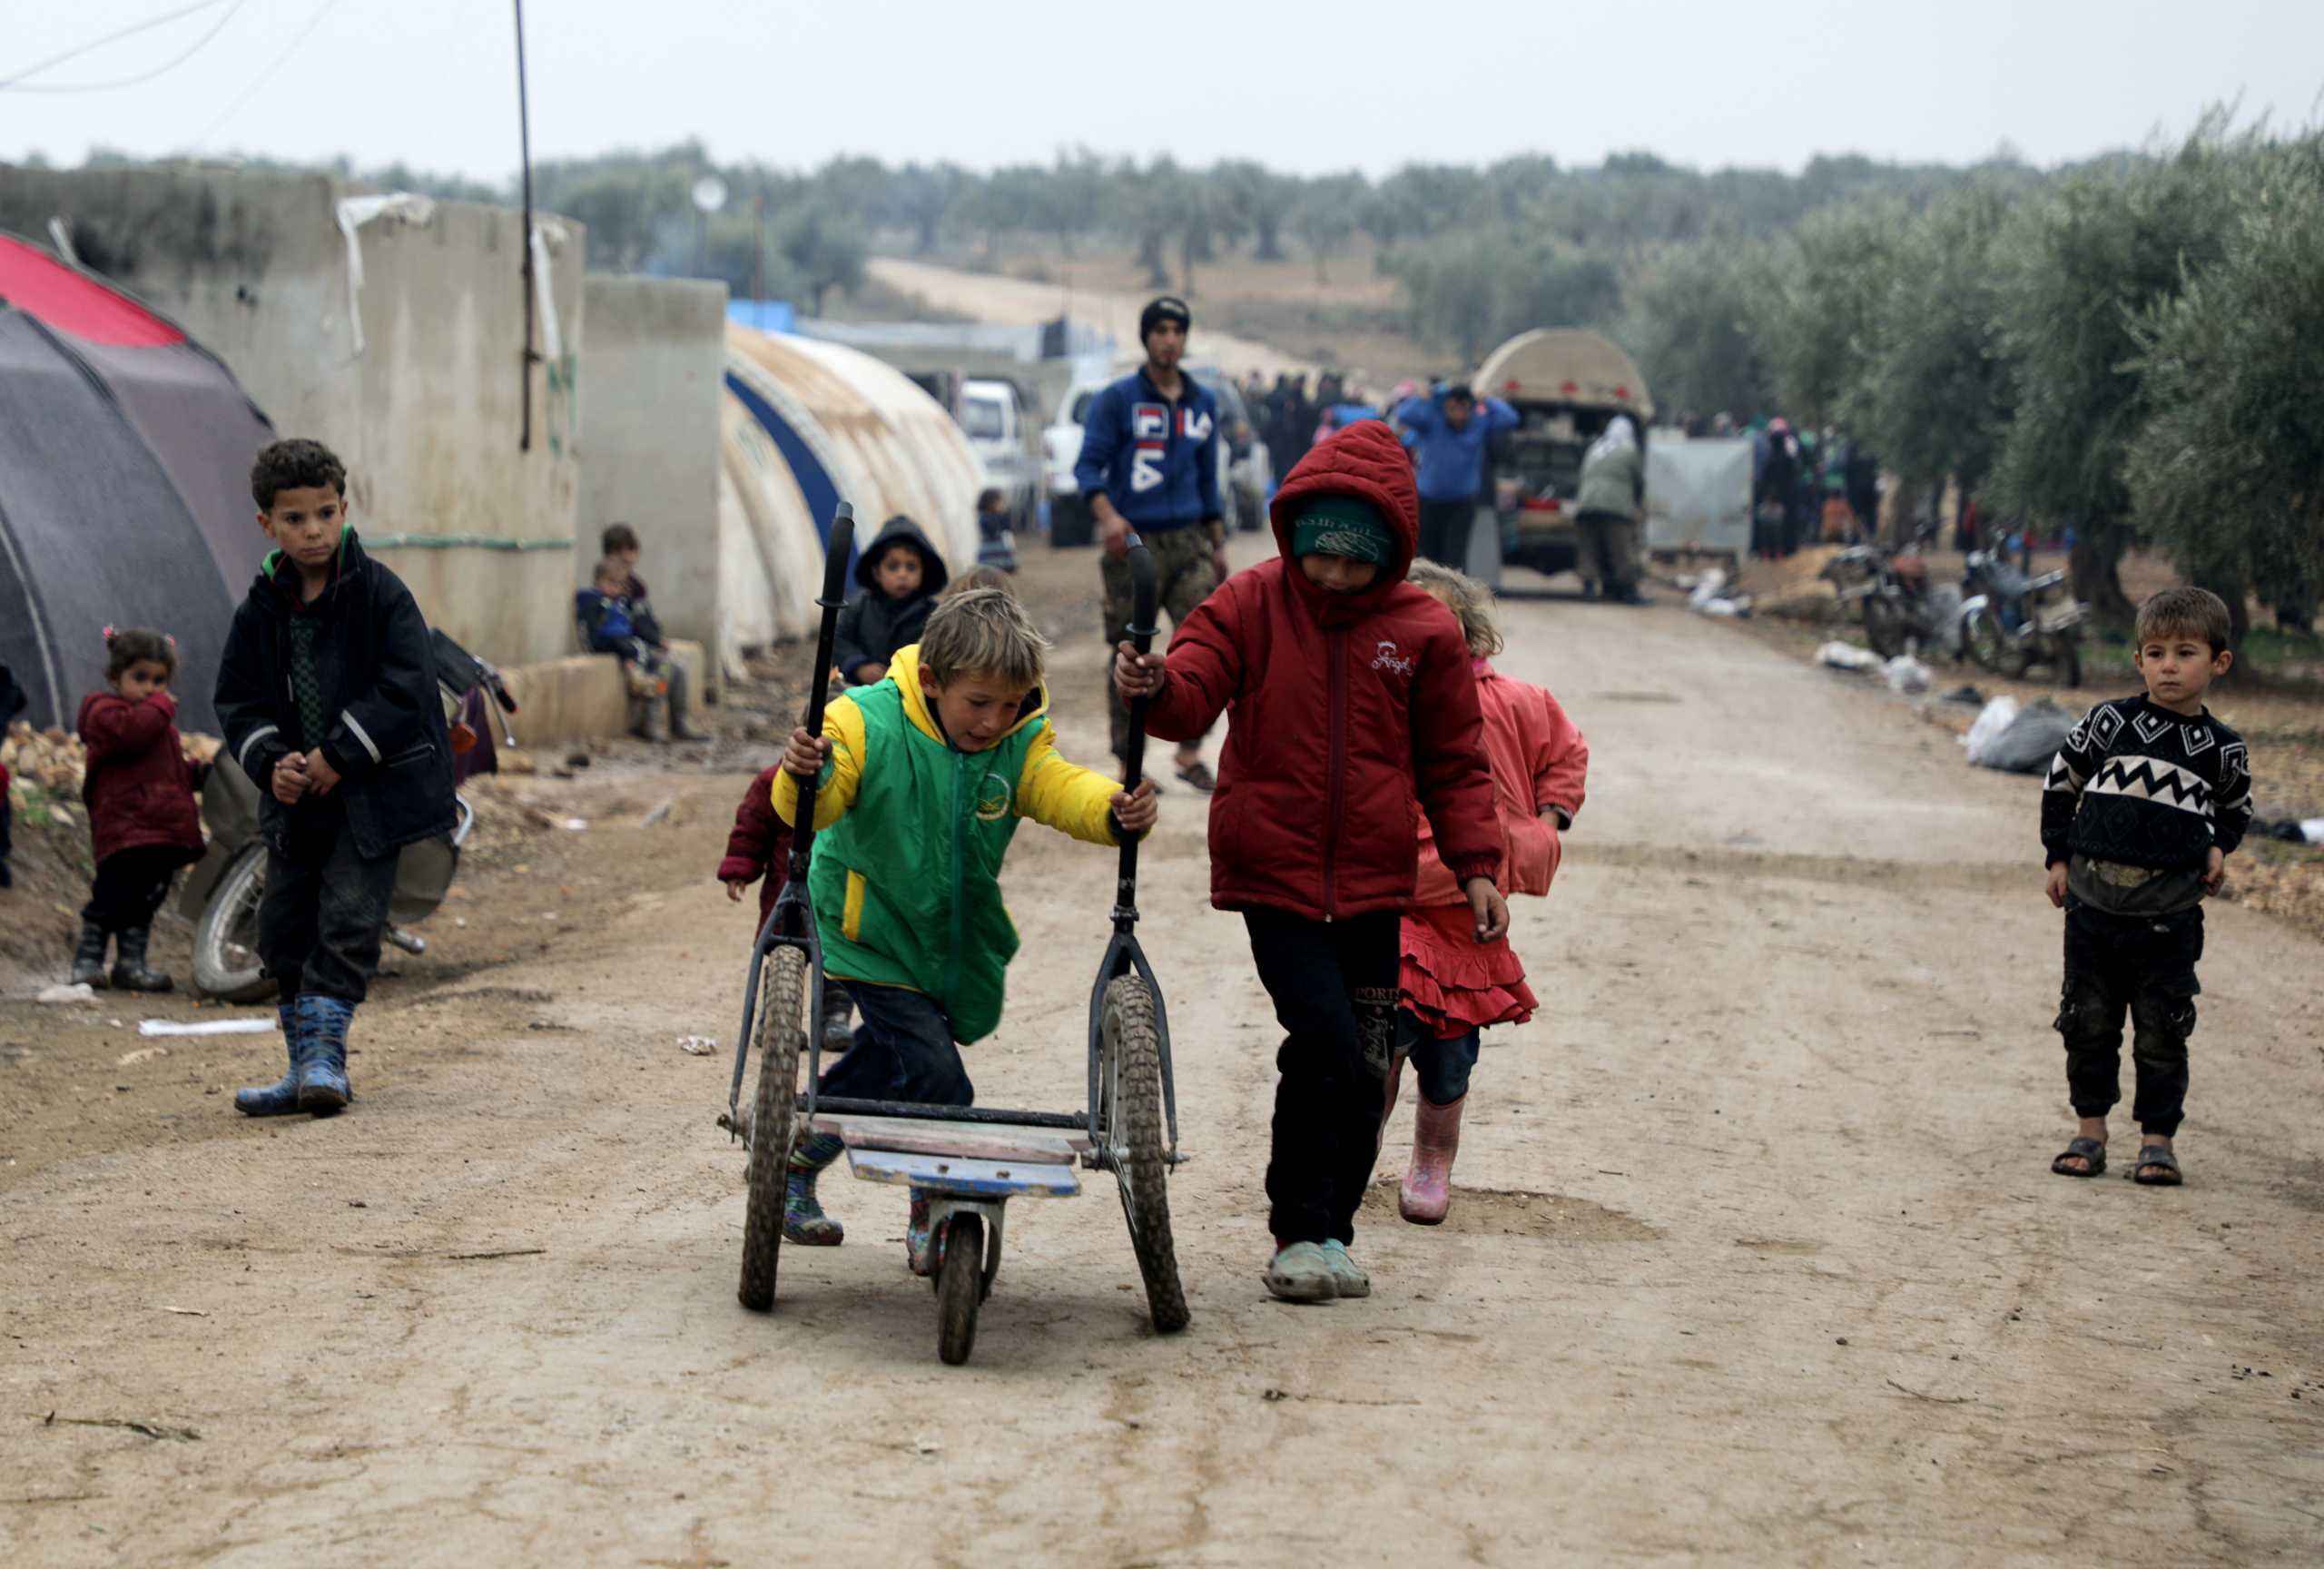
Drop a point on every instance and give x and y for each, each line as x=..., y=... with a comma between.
x=1305, y=87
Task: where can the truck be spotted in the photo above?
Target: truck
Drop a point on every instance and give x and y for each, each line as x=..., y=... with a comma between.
x=1566, y=384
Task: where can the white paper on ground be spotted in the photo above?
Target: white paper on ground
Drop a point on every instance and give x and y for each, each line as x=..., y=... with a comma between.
x=206, y=1027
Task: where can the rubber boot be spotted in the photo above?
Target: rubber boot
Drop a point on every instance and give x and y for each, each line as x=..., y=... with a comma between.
x=129, y=970
x=1428, y=1185
x=280, y=1098
x=322, y=1025
x=89, y=957
x=803, y=1220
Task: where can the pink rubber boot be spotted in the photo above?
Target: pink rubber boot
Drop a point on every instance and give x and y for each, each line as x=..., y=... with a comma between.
x=1428, y=1185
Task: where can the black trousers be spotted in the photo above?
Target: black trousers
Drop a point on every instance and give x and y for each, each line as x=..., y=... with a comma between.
x=2145, y=965
x=903, y=1050
x=1444, y=528
x=131, y=885
x=319, y=922
x=1335, y=990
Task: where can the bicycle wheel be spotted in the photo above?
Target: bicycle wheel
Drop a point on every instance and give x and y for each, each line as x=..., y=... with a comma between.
x=1987, y=644
x=779, y=1037
x=959, y=1288
x=225, y=939
x=1129, y=1078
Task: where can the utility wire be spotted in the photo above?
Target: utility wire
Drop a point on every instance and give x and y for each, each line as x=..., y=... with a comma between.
x=264, y=76
x=12, y=83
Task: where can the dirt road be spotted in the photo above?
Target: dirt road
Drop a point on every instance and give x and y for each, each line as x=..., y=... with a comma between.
x=1755, y=1256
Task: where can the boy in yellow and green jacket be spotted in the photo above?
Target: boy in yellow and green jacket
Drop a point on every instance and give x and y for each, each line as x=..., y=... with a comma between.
x=923, y=777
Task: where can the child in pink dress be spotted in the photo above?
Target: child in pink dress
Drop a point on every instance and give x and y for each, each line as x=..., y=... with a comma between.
x=1453, y=988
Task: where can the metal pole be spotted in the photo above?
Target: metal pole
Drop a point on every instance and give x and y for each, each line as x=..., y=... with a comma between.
x=525, y=245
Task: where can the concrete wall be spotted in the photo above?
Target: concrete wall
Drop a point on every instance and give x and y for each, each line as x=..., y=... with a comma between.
x=427, y=418
x=649, y=439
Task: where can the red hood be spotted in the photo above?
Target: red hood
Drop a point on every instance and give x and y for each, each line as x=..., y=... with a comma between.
x=1365, y=460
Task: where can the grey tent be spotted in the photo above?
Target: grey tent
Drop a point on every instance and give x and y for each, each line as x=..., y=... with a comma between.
x=125, y=450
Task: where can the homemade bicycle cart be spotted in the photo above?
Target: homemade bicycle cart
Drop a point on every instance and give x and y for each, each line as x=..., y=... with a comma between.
x=969, y=1161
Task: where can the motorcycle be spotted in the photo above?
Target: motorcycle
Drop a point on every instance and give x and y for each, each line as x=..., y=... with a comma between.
x=2010, y=623
x=1892, y=593
x=222, y=893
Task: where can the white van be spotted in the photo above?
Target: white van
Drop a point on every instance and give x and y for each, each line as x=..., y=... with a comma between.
x=994, y=421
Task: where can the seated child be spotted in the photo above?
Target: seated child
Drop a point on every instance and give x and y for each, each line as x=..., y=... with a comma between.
x=758, y=845
x=901, y=575
x=619, y=541
x=1453, y=988
x=996, y=540
x=610, y=620
x=1350, y=694
x=929, y=769
x=143, y=822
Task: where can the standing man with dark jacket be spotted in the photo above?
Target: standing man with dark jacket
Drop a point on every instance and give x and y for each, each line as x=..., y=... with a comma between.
x=1451, y=432
x=1149, y=465
x=328, y=700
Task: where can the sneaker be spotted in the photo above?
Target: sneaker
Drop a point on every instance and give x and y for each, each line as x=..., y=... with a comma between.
x=1198, y=775
x=1301, y=1272
x=1348, y=1278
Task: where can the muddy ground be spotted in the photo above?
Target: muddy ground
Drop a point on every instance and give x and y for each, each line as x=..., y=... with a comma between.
x=1755, y=1255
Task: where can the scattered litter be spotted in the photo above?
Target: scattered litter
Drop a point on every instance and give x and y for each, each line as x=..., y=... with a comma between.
x=926, y=1446
x=660, y=814
x=574, y=825
x=83, y=993
x=142, y=1054
x=1907, y=677
x=1965, y=693
x=2292, y=830
x=188, y=1312
x=697, y=1045
x=1709, y=595
x=1840, y=656
x=207, y=1027
x=2029, y=741
x=1991, y=721
x=151, y=1429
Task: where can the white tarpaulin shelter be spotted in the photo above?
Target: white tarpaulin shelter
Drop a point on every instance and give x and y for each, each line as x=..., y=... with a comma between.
x=1698, y=495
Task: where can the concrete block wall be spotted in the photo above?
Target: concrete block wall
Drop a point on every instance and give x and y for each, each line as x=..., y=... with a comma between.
x=649, y=437
x=428, y=416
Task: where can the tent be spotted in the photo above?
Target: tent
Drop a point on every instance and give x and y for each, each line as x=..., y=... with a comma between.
x=810, y=424
x=124, y=460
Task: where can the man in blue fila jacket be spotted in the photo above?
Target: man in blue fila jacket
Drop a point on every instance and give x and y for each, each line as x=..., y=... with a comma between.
x=1451, y=430
x=1149, y=465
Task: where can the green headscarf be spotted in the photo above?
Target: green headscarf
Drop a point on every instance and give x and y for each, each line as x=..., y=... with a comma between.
x=1345, y=526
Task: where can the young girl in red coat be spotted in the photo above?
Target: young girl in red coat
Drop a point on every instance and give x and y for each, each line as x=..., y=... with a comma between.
x=1454, y=987
x=758, y=845
x=1351, y=696
x=143, y=823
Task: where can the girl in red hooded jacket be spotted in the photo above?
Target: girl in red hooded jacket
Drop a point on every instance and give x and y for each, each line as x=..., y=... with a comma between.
x=143, y=824
x=1352, y=709
x=1454, y=988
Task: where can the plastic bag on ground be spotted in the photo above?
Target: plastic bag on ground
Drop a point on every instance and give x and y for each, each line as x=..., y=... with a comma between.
x=1992, y=720
x=1841, y=655
x=2032, y=739
x=1907, y=677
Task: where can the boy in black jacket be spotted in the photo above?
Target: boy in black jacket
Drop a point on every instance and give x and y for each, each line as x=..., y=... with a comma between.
x=901, y=575
x=2145, y=802
x=326, y=695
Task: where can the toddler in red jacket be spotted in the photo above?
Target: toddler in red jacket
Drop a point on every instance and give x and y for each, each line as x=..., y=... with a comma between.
x=758, y=845
x=143, y=823
x=1351, y=694
x=1454, y=987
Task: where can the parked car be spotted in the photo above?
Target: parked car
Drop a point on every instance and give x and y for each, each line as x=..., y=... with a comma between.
x=1069, y=520
x=993, y=418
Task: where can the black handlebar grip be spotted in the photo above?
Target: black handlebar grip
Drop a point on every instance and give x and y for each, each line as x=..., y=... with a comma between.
x=839, y=551
x=1143, y=593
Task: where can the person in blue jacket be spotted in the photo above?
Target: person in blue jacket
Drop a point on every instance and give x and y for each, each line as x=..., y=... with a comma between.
x=1450, y=431
x=1149, y=465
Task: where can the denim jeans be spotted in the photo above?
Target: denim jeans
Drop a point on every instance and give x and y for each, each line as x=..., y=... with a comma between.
x=903, y=1052
x=325, y=906
x=1442, y=1067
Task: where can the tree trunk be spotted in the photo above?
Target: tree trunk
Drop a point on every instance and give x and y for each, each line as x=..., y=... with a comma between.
x=2096, y=568
x=2238, y=605
x=1186, y=267
x=1270, y=247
